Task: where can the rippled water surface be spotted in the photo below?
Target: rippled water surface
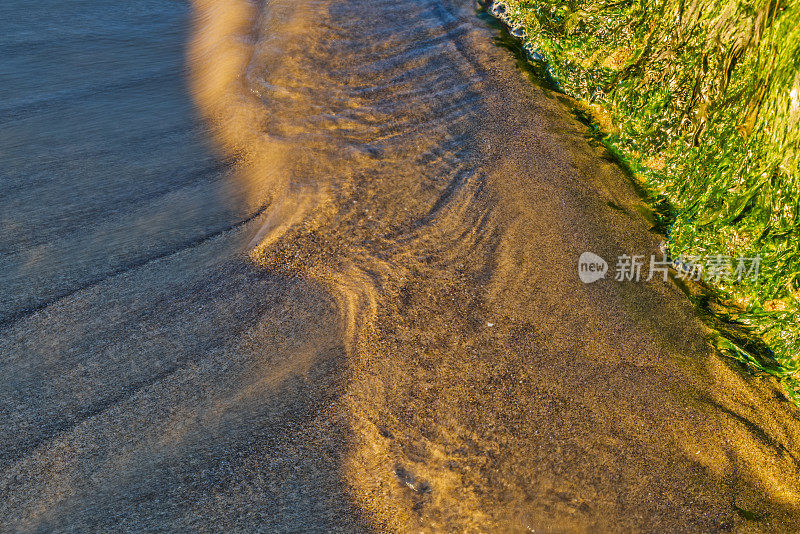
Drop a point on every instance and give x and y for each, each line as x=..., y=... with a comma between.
x=310, y=266
x=105, y=164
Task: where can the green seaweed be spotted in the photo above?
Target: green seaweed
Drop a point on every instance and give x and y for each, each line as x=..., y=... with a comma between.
x=701, y=99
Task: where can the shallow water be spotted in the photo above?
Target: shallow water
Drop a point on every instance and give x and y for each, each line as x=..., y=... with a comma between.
x=323, y=278
x=105, y=164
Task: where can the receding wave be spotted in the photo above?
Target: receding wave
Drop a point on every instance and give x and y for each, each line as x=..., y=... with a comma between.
x=442, y=200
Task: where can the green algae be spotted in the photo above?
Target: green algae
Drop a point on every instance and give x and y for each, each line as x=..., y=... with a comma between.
x=701, y=100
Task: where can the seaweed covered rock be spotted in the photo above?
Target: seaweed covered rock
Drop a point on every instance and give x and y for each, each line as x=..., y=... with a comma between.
x=702, y=99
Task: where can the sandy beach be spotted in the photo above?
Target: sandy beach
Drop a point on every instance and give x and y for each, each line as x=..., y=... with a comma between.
x=351, y=303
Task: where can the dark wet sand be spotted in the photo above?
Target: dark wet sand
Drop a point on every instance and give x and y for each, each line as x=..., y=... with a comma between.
x=328, y=364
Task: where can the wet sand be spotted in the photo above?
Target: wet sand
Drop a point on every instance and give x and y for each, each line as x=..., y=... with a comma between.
x=373, y=322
